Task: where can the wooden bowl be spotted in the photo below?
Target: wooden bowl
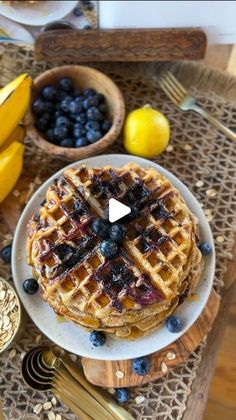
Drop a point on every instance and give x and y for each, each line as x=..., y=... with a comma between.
x=83, y=77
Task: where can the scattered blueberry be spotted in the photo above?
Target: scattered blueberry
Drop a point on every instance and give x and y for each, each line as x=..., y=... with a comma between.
x=77, y=12
x=66, y=84
x=38, y=106
x=106, y=125
x=60, y=132
x=93, y=113
x=5, y=253
x=30, y=286
x=117, y=232
x=49, y=93
x=87, y=26
x=108, y=248
x=93, y=136
x=67, y=143
x=89, y=6
x=205, y=248
x=92, y=125
x=89, y=92
x=100, y=227
x=173, y=324
x=75, y=107
x=97, y=338
x=122, y=395
x=81, y=142
x=142, y=365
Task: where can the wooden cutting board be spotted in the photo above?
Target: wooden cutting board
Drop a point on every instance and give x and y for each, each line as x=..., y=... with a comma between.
x=96, y=45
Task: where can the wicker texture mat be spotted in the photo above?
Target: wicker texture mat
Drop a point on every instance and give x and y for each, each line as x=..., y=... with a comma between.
x=200, y=156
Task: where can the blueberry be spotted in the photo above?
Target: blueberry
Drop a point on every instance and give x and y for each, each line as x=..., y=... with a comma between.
x=173, y=324
x=93, y=136
x=89, y=6
x=205, y=248
x=77, y=12
x=65, y=104
x=89, y=92
x=50, y=135
x=78, y=132
x=100, y=227
x=81, y=142
x=87, y=26
x=5, y=253
x=90, y=101
x=122, y=395
x=92, y=125
x=63, y=121
x=60, y=133
x=97, y=338
x=117, y=232
x=61, y=94
x=67, y=143
x=108, y=248
x=48, y=106
x=93, y=113
x=81, y=118
x=38, y=106
x=58, y=114
x=106, y=125
x=66, y=84
x=42, y=124
x=75, y=107
x=49, y=93
x=103, y=108
x=30, y=286
x=142, y=365
x=46, y=116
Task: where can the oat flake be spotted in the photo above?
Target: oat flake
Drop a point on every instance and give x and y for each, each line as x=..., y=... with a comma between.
x=38, y=408
x=220, y=239
x=120, y=374
x=12, y=354
x=171, y=355
x=164, y=367
x=139, y=399
x=51, y=415
x=169, y=148
x=211, y=193
x=47, y=405
x=199, y=183
x=58, y=417
x=187, y=147
x=54, y=401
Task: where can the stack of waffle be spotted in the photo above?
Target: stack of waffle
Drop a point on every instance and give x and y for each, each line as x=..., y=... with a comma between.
x=157, y=264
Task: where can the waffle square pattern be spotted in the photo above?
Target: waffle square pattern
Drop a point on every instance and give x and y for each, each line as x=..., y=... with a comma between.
x=154, y=269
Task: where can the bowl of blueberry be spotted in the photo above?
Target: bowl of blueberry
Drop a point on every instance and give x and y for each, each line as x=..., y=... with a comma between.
x=76, y=112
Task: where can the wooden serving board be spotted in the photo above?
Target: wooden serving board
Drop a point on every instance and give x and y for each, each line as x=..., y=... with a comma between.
x=96, y=45
x=103, y=373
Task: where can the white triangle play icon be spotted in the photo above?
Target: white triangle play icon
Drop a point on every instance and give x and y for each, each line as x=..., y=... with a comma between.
x=117, y=210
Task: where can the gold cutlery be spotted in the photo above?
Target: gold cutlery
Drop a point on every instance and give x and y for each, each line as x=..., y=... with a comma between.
x=181, y=98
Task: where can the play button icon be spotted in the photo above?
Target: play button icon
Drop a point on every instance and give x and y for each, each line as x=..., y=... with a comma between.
x=117, y=210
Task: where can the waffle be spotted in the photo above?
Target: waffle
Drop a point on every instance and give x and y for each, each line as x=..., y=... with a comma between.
x=156, y=266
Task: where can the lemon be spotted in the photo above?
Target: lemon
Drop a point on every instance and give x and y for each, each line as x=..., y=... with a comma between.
x=146, y=132
x=11, y=162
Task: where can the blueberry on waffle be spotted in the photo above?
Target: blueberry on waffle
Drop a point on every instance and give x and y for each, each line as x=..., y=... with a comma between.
x=156, y=263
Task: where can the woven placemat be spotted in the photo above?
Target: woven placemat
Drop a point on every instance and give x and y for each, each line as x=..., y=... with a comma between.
x=199, y=155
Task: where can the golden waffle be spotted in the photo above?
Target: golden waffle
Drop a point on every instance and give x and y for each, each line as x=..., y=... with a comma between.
x=157, y=263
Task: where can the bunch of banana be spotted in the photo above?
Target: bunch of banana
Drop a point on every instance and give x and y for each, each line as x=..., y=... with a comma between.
x=14, y=101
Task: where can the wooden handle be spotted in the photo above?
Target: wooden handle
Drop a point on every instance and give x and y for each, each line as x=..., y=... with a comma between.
x=121, y=45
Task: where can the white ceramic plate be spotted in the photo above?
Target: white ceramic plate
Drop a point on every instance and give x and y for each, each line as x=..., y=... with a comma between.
x=39, y=13
x=15, y=31
x=69, y=335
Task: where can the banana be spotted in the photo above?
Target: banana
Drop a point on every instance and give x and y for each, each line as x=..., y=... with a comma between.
x=11, y=162
x=14, y=101
x=17, y=135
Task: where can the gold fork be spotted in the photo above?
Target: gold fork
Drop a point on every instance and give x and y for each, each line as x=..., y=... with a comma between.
x=180, y=97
